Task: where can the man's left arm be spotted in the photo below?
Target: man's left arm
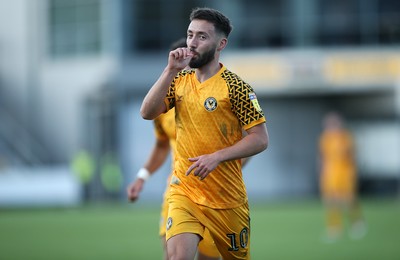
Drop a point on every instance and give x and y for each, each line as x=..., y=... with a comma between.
x=253, y=143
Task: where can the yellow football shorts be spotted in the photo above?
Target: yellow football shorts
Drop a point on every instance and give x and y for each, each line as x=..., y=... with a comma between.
x=206, y=246
x=229, y=228
x=340, y=186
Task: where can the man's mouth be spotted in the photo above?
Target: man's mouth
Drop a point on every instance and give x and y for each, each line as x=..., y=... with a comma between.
x=194, y=53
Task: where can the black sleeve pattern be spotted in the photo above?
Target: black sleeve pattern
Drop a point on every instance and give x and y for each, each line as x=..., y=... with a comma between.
x=171, y=94
x=171, y=91
x=241, y=104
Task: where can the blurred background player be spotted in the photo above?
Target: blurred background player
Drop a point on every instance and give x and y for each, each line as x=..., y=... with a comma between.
x=164, y=126
x=338, y=179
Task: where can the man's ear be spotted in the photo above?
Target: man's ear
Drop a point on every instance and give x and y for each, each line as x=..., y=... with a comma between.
x=222, y=44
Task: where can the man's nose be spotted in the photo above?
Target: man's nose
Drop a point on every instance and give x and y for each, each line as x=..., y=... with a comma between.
x=192, y=43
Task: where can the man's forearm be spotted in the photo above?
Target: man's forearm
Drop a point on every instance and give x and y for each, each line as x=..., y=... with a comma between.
x=153, y=103
x=251, y=144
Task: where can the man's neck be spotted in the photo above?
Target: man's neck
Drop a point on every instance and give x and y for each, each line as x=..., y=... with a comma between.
x=207, y=71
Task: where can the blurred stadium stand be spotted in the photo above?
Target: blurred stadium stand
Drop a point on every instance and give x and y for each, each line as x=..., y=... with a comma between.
x=18, y=145
x=74, y=72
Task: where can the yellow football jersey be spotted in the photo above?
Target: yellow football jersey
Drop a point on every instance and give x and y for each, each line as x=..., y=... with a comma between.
x=209, y=117
x=336, y=149
x=164, y=128
x=338, y=168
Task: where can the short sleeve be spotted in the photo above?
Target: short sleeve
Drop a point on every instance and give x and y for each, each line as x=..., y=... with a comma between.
x=244, y=102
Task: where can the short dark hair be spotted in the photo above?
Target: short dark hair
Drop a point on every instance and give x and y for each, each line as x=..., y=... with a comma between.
x=180, y=43
x=221, y=23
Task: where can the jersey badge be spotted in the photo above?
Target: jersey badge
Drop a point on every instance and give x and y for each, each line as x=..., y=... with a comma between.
x=210, y=104
x=175, y=180
x=169, y=223
x=254, y=101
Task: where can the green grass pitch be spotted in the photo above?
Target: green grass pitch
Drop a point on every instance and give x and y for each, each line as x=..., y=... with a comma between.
x=290, y=230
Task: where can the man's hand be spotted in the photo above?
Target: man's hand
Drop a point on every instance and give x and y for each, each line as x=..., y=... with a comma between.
x=134, y=189
x=203, y=165
x=179, y=59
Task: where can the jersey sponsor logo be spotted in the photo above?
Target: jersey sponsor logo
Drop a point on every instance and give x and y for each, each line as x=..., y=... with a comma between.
x=254, y=101
x=210, y=104
x=169, y=223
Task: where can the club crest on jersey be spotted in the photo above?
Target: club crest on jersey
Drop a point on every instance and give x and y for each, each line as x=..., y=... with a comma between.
x=210, y=104
x=169, y=223
x=254, y=101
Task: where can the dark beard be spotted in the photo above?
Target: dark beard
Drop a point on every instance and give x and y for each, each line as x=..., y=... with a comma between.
x=202, y=59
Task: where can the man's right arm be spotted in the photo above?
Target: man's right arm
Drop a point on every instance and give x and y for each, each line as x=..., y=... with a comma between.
x=153, y=104
x=156, y=159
